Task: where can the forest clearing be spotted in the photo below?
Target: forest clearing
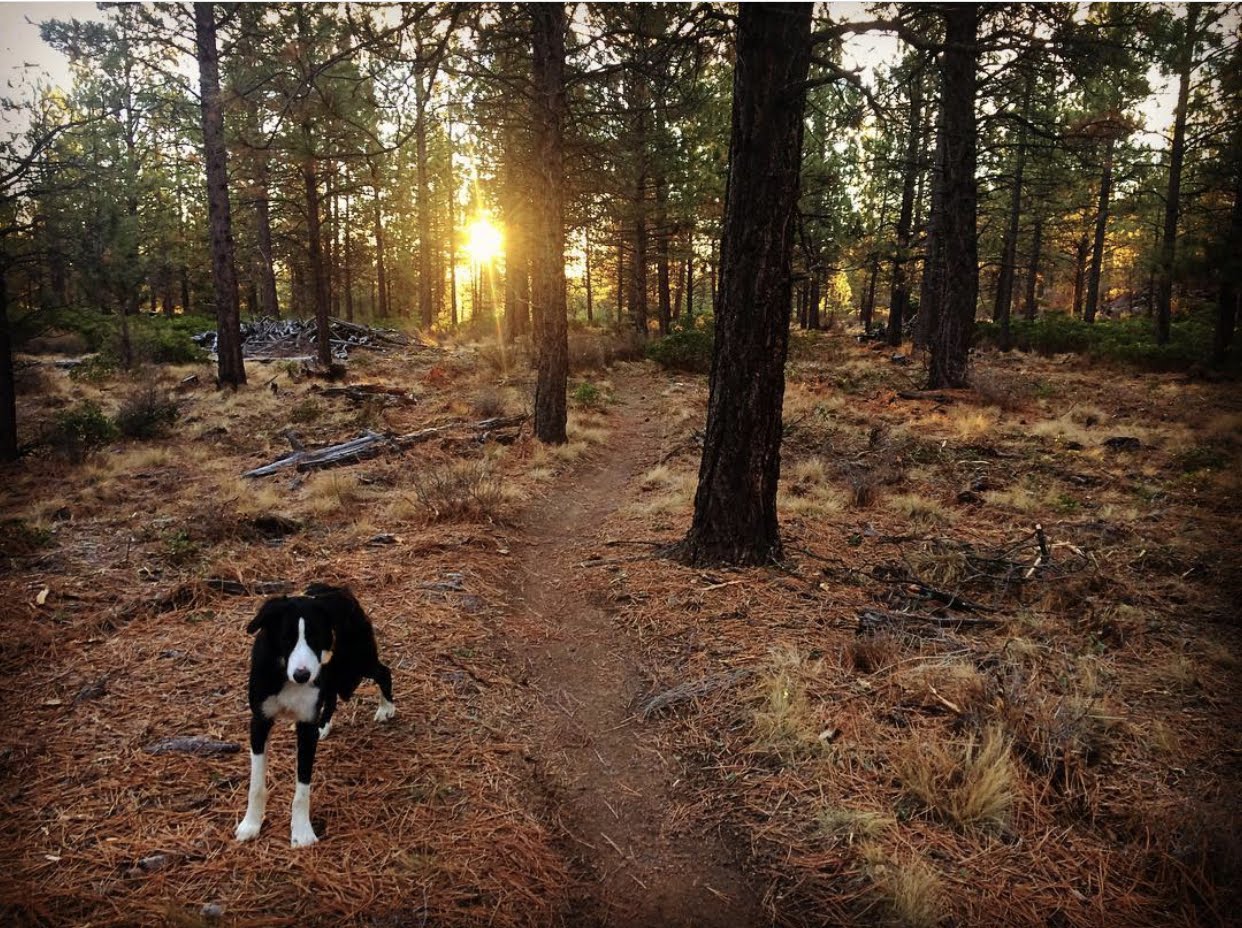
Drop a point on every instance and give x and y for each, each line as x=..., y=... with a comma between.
x=789, y=455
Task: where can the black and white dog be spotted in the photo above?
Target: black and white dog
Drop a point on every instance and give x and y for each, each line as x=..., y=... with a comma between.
x=308, y=651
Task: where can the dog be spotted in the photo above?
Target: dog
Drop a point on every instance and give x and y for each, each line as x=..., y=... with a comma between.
x=309, y=650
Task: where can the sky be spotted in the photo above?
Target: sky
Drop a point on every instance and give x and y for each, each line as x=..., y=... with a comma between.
x=23, y=55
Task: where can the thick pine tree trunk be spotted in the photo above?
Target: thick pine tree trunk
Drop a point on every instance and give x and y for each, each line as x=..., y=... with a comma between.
x=8, y=389
x=319, y=284
x=1032, y=271
x=231, y=368
x=931, y=287
x=662, y=276
x=899, y=296
x=950, y=340
x=690, y=282
x=1009, y=247
x=426, y=314
x=1231, y=269
x=1101, y=228
x=548, y=296
x=735, y=505
x=381, y=272
x=620, y=277
x=1172, y=200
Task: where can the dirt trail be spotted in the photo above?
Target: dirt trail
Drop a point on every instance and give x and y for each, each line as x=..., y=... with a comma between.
x=610, y=789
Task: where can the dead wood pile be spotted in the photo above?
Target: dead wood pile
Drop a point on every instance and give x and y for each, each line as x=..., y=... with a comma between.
x=293, y=339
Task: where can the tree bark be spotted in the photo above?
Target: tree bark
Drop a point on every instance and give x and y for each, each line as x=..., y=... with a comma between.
x=620, y=277
x=900, y=294
x=381, y=275
x=1172, y=200
x=590, y=301
x=735, y=505
x=1032, y=271
x=319, y=285
x=931, y=286
x=1231, y=267
x=1009, y=246
x=950, y=340
x=548, y=296
x=231, y=369
x=8, y=388
x=1101, y=228
x=690, y=281
x=425, y=311
x=662, y=277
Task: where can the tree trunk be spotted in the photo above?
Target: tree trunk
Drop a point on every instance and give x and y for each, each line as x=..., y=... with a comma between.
x=452, y=234
x=690, y=282
x=638, y=264
x=586, y=251
x=349, y=264
x=735, y=505
x=812, y=321
x=1172, y=200
x=425, y=313
x=950, y=340
x=620, y=277
x=263, y=229
x=231, y=368
x=1032, y=272
x=1101, y=227
x=1009, y=246
x=548, y=297
x=662, y=277
x=932, y=284
x=1231, y=267
x=319, y=286
x=900, y=293
x=8, y=389
x=381, y=275
x=867, y=310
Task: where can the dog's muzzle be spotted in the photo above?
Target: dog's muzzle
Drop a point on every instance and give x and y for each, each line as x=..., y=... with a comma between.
x=301, y=675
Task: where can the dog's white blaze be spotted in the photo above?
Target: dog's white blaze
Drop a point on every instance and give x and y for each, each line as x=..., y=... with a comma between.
x=302, y=658
x=256, y=806
x=303, y=833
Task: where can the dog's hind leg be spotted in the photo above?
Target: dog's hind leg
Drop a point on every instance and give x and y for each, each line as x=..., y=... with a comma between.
x=302, y=832
x=381, y=675
x=256, y=805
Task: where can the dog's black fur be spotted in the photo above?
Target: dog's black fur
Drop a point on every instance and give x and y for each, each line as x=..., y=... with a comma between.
x=331, y=620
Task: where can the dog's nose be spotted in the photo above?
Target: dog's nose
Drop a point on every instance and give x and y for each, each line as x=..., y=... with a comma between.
x=301, y=675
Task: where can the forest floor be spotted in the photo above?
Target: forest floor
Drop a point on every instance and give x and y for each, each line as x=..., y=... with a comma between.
x=929, y=713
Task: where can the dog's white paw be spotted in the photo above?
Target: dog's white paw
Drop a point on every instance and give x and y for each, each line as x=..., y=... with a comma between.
x=303, y=835
x=385, y=711
x=248, y=828
x=325, y=731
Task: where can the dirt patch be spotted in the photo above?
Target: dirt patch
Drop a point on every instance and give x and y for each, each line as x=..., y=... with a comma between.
x=645, y=857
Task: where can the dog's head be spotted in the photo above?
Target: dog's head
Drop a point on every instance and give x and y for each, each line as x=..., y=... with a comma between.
x=300, y=631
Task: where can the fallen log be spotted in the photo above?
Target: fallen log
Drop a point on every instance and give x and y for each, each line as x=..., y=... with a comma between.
x=372, y=444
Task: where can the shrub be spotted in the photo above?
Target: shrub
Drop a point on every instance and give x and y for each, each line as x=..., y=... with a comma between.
x=307, y=410
x=488, y=403
x=588, y=396
x=459, y=490
x=80, y=430
x=146, y=413
x=689, y=350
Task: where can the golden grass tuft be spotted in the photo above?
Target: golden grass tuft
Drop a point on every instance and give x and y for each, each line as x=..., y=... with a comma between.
x=850, y=825
x=332, y=491
x=911, y=890
x=921, y=510
x=971, y=786
x=806, y=491
x=785, y=723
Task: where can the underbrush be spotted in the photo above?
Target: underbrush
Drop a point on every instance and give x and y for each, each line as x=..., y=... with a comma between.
x=153, y=339
x=689, y=350
x=1126, y=341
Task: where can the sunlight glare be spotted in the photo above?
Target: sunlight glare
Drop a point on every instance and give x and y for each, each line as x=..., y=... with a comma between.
x=483, y=241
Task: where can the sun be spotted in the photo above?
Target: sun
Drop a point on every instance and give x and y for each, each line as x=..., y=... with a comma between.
x=483, y=241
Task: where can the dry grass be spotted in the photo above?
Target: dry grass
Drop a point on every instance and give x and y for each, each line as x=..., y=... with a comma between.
x=970, y=785
x=806, y=491
x=923, y=511
x=911, y=890
x=785, y=723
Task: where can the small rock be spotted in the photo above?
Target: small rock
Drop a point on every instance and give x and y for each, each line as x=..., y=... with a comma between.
x=212, y=910
x=383, y=539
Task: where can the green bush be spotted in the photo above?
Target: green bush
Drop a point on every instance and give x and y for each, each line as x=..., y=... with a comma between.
x=80, y=430
x=153, y=339
x=1127, y=341
x=588, y=396
x=146, y=413
x=688, y=350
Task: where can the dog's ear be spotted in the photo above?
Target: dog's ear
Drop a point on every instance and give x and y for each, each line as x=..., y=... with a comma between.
x=270, y=611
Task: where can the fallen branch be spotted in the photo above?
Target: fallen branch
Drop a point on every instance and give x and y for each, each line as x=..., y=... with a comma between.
x=192, y=744
x=259, y=588
x=942, y=398
x=691, y=690
x=872, y=617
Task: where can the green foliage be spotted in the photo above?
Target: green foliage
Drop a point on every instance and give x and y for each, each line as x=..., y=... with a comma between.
x=154, y=339
x=146, y=413
x=18, y=537
x=588, y=396
x=80, y=430
x=688, y=350
x=1126, y=341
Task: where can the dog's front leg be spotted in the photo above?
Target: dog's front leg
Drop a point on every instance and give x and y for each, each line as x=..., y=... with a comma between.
x=256, y=805
x=303, y=834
